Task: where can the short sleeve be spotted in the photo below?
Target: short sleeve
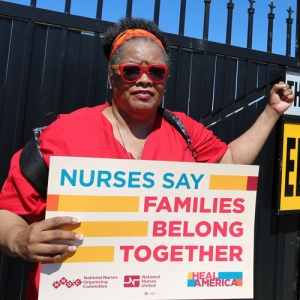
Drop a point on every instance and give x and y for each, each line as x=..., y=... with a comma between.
x=208, y=148
x=19, y=196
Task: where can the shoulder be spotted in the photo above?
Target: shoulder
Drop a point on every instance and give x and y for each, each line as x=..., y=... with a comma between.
x=73, y=134
x=85, y=112
x=207, y=146
x=187, y=121
x=77, y=120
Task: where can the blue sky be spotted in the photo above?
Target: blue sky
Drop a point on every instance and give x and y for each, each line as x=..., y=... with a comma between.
x=169, y=18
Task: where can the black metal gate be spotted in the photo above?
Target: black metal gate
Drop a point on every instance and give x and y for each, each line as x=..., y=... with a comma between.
x=52, y=63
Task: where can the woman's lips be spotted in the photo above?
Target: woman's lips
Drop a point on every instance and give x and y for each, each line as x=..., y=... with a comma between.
x=143, y=94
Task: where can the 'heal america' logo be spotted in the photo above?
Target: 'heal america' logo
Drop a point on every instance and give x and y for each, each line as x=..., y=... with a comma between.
x=215, y=279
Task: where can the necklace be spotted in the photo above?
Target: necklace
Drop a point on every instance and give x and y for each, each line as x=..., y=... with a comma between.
x=123, y=143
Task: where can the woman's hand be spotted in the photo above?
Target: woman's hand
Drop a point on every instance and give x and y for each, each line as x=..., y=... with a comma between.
x=281, y=98
x=42, y=241
x=37, y=242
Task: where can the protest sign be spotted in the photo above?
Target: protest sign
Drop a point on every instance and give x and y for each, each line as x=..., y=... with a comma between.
x=153, y=230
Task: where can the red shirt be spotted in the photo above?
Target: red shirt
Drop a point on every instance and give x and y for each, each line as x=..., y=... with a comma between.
x=87, y=133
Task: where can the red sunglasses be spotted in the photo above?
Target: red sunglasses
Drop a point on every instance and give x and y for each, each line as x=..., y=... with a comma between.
x=132, y=72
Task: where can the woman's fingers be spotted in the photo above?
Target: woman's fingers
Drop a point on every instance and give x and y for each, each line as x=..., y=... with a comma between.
x=50, y=252
x=56, y=222
x=48, y=230
x=39, y=241
x=53, y=235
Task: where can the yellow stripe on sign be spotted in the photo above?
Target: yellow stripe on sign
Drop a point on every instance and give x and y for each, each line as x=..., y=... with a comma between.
x=289, y=194
x=228, y=182
x=109, y=229
x=89, y=254
x=98, y=203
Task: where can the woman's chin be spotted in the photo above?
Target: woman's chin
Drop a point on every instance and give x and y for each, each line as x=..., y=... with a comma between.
x=145, y=107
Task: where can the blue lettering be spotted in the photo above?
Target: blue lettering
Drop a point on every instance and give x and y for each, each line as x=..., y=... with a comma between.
x=81, y=178
x=66, y=175
x=168, y=180
x=197, y=180
x=183, y=181
x=105, y=177
x=149, y=180
x=131, y=179
x=118, y=177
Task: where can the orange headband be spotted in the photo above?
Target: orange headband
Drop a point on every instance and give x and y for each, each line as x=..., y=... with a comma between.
x=130, y=33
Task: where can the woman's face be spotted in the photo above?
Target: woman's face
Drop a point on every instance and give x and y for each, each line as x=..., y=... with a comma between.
x=143, y=96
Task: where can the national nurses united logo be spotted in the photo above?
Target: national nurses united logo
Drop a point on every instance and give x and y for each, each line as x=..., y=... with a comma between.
x=215, y=279
x=132, y=281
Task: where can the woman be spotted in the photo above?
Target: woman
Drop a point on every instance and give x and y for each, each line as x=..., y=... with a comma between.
x=127, y=128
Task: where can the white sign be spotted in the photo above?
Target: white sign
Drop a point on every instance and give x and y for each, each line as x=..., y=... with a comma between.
x=153, y=230
x=293, y=80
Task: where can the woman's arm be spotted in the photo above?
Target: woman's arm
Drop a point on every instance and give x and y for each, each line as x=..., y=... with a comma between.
x=245, y=148
x=10, y=226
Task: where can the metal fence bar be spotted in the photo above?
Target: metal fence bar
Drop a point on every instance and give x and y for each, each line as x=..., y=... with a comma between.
x=251, y=12
x=289, y=22
x=67, y=6
x=298, y=277
x=297, y=52
x=129, y=8
x=33, y=3
x=206, y=19
x=230, y=7
x=182, y=17
x=271, y=17
x=156, y=11
x=99, y=9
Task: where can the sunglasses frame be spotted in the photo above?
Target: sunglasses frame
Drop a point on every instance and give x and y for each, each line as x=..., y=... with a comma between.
x=143, y=69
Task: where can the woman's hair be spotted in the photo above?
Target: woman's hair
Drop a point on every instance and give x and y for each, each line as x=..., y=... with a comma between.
x=131, y=23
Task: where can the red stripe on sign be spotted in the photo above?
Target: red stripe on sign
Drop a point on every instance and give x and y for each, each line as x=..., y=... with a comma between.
x=252, y=183
x=52, y=202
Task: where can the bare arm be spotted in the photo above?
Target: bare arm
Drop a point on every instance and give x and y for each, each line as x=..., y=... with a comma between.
x=245, y=148
x=35, y=242
x=10, y=225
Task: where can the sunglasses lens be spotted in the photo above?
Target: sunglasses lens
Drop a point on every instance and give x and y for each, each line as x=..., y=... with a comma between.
x=157, y=73
x=131, y=73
